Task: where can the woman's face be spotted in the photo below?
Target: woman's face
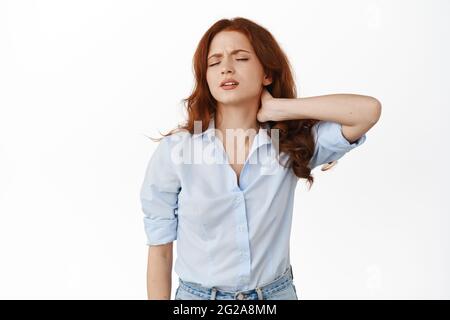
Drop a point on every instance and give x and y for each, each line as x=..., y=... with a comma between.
x=225, y=62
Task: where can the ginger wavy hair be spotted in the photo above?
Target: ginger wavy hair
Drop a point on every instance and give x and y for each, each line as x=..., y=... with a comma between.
x=295, y=136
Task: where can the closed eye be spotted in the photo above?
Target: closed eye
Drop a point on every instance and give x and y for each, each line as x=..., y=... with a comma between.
x=243, y=59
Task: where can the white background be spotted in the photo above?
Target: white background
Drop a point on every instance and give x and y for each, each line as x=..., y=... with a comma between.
x=83, y=82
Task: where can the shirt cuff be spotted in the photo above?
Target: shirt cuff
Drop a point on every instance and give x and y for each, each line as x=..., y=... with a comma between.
x=160, y=231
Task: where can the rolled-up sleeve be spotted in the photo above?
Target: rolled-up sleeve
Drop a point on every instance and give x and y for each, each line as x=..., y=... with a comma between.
x=330, y=143
x=159, y=196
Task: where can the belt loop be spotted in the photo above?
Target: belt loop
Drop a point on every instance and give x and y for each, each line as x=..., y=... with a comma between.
x=260, y=294
x=292, y=272
x=213, y=293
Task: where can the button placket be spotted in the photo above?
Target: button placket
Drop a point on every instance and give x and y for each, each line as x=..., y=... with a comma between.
x=237, y=201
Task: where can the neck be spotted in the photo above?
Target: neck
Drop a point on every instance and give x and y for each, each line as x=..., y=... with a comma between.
x=236, y=117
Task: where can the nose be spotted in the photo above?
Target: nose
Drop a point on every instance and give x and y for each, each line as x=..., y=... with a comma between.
x=227, y=68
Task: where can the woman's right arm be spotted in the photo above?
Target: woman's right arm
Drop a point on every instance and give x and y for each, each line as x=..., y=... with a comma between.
x=159, y=271
x=159, y=200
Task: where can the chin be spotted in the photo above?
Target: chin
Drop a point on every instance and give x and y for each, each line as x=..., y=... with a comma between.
x=231, y=102
x=233, y=99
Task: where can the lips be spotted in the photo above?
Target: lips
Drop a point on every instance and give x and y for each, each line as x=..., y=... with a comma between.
x=229, y=82
x=229, y=87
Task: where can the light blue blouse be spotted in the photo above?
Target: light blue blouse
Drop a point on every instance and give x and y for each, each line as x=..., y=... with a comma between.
x=229, y=235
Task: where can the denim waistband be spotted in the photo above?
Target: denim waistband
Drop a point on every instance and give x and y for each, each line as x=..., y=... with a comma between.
x=259, y=292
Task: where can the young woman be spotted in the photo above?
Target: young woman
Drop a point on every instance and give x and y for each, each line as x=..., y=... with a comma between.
x=229, y=205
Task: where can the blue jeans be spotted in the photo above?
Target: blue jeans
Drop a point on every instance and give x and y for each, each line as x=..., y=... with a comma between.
x=282, y=288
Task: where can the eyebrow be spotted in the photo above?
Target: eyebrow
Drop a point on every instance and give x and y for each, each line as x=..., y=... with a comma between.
x=232, y=52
